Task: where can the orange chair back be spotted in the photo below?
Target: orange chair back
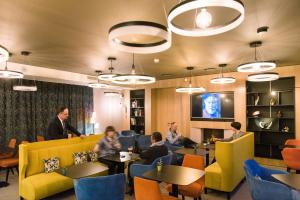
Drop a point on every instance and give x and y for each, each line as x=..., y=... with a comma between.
x=291, y=157
x=292, y=142
x=24, y=142
x=40, y=138
x=12, y=143
x=193, y=161
x=146, y=189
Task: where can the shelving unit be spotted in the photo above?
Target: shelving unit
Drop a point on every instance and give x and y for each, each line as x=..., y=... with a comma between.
x=137, y=111
x=275, y=102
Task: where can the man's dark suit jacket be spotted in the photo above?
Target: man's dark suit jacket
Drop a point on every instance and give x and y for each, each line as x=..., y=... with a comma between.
x=56, y=130
x=153, y=152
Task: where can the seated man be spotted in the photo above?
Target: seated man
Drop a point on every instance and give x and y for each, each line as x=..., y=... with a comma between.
x=156, y=150
x=175, y=138
x=237, y=133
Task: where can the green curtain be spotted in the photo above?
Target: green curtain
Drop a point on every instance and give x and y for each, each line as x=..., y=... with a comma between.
x=23, y=115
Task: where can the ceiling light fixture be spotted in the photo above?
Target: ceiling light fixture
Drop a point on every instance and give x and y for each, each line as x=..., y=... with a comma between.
x=98, y=85
x=133, y=78
x=112, y=94
x=4, y=54
x=108, y=76
x=204, y=18
x=143, y=28
x=262, y=77
x=256, y=66
x=190, y=89
x=20, y=86
x=222, y=79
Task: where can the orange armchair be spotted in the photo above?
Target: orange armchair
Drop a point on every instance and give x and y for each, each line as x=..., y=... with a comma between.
x=148, y=190
x=291, y=158
x=292, y=142
x=11, y=146
x=194, y=189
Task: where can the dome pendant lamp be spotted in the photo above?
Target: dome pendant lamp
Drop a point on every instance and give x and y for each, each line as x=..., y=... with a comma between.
x=190, y=89
x=222, y=79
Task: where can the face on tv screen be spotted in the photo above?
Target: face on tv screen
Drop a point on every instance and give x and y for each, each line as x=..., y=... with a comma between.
x=213, y=106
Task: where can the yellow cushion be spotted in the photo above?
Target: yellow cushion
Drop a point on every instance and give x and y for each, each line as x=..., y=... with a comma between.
x=42, y=185
x=213, y=176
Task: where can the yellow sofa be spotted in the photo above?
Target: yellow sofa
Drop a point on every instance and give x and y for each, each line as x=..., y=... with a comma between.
x=33, y=182
x=227, y=172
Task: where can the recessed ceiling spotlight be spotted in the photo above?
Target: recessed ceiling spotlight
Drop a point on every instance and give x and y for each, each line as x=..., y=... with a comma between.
x=261, y=30
x=156, y=60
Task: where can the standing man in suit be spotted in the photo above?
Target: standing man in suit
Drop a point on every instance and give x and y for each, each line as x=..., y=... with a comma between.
x=59, y=127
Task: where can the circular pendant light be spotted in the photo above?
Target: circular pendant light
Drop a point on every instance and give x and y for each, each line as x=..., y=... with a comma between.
x=190, y=89
x=4, y=54
x=25, y=88
x=143, y=28
x=108, y=76
x=112, y=94
x=133, y=78
x=204, y=18
x=10, y=74
x=222, y=79
x=262, y=77
x=256, y=66
x=98, y=85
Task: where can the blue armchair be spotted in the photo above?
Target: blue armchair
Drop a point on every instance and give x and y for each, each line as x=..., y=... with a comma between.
x=127, y=141
x=103, y=187
x=143, y=142
x=140, y=169
x=177, y=158
x=128, y=133
x=263, y=186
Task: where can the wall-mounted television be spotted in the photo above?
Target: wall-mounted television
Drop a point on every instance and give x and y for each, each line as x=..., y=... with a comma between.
x=212, y=106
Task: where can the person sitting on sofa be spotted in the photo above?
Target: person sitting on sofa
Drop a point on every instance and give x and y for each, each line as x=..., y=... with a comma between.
x=109, y=145
x=237, y=133
x=175, y=138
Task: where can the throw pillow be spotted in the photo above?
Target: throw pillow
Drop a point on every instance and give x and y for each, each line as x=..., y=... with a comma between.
x=80, y=157
x=93, y=157
x=51, y=164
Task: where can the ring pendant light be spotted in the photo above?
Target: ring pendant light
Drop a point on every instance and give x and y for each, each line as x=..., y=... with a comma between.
x=108, y=76
x=4, y=54
x=112, y=94
x=25, y=88
x=133, y=78
x=8, y=73
x=256, y=66
x=98, y=85
x=144, y=28
x=222, y=79
x=190, y=89
x=262, y=77
x=204, y=17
